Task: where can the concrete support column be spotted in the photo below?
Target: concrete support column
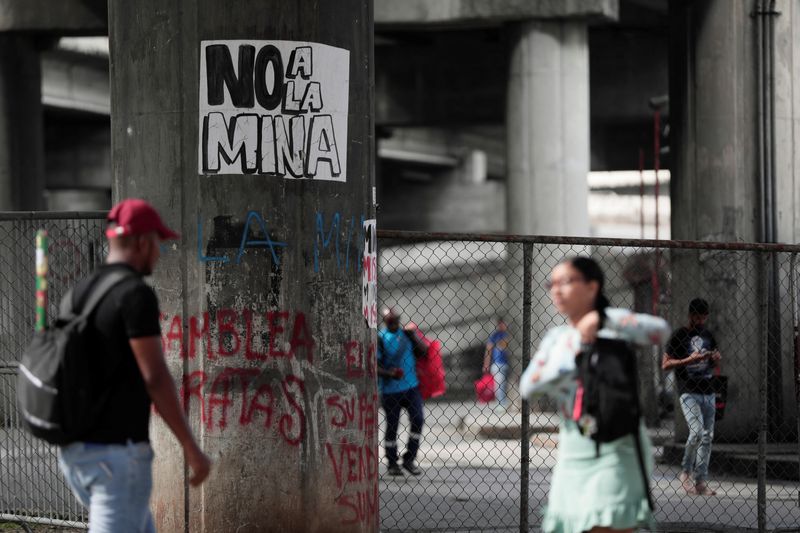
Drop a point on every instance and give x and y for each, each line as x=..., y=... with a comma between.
x=787, y=120
x=21, y=124
x=547, y=129
x=263, y=323
x=716, y=195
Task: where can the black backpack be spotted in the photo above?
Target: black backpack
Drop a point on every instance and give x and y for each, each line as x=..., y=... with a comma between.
x=54, y=384
x=609, y=404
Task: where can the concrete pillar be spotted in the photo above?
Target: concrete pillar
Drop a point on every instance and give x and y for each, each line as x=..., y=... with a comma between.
x=716, y=196
x=474, y=168
x=547, y=129
x=547, y=135
x=787, y=120
x=21, y=124
x=262, y=298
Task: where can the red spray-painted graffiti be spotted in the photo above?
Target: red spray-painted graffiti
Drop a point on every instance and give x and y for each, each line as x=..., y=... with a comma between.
x=355, y=464
x=359, y=413
x=239, y=395
x=359, y=362
x=231, y=332
x=217, y=397
x=235, y=396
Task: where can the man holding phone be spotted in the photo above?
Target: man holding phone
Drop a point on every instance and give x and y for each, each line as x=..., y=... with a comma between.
x=692, y=353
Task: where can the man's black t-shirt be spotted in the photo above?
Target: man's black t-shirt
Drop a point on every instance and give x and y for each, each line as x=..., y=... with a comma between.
x=129, y=310
x=695, y=378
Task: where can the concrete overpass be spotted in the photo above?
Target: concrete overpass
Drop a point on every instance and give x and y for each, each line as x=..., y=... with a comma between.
x=442, y=82
x=486, y=112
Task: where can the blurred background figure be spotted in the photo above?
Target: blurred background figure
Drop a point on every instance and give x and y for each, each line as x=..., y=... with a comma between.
x=495, y=360
x=399, y=387
x=692, y=352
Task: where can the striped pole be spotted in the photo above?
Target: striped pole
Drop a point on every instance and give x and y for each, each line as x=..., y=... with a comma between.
x=41, y=280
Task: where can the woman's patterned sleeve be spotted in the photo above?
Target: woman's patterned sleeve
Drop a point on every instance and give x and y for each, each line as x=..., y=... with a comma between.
x=553, y=361
x=638, y=328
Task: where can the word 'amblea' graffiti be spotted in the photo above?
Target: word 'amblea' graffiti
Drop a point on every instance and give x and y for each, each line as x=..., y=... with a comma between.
x=241, y=333
x=276, y=108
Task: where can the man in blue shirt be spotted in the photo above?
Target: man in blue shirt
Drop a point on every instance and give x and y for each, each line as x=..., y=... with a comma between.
x=399, y=386
x=495, y=360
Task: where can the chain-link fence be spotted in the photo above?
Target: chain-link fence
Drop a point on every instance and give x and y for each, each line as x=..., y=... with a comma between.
x=487, y=466
x=31, y=487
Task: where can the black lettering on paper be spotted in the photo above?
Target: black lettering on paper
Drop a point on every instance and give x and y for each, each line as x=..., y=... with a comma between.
x=269, y=56
x=219, y=72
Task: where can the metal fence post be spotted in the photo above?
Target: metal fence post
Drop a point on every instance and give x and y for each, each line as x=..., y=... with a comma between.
x=795, y=344
x=527, y=279
x=762, y=395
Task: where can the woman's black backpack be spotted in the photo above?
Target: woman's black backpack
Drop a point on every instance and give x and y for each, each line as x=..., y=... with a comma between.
x=607, y=405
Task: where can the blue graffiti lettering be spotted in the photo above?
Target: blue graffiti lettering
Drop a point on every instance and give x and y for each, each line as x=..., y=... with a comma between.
x=200, y=255
x=333, y=238
x=266, y=243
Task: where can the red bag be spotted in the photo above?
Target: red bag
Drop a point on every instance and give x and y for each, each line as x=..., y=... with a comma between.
x=430, y=372
x=430, y=368
x=484, y=388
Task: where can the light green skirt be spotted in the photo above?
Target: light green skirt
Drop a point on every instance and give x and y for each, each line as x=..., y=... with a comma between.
x=587, y=491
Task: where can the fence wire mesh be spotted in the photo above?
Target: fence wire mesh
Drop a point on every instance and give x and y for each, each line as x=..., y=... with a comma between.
x=488, y=466
x=31, y=486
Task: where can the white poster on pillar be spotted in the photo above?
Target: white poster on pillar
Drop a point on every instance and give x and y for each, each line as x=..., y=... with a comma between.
x=274, y=108
x=369, y=274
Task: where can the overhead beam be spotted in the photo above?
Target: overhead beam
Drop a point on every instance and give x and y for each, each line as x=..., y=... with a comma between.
x=413, y=13
x=77, y=82
x=74, y=17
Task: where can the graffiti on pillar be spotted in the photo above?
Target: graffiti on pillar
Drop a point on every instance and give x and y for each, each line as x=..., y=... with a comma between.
x=354, y=463
x=339, y=240
x=369, y=275
x=254, y=233
x=240, y=396
x=240, y=333
x=341, y=237
x=275, y=108
x=359, y=359
x=260, y=374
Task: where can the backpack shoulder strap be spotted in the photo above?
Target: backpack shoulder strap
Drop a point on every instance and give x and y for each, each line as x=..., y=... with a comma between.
x=417, y=348
x=100, y=289
x=640, y=456
x=65, y=309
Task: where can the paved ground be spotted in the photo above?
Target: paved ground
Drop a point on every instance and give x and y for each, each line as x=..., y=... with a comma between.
x=470, y=483
x=474, y=484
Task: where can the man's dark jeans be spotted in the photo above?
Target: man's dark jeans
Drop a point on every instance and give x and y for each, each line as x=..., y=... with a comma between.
x=393, y=404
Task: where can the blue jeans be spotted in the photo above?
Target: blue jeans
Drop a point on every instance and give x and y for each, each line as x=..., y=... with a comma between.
x=500, y=376
x=393, y=404
x=699, y=411
x=114, y=482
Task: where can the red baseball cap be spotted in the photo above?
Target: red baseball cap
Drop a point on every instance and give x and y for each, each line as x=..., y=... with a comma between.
x=137, y=217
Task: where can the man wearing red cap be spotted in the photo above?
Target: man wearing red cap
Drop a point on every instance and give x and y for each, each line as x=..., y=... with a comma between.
x=109, y=469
